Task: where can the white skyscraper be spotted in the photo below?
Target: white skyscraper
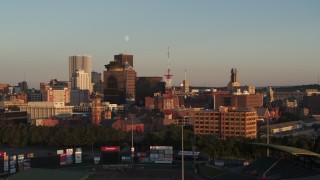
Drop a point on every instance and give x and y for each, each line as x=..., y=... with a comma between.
x=80, y=80
x=80, y=62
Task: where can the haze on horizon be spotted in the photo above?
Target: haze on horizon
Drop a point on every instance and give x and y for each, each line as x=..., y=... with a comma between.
x=269, y=42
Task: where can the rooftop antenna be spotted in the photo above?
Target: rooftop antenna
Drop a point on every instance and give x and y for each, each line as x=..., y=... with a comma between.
x=168, y=75
x=185, y=75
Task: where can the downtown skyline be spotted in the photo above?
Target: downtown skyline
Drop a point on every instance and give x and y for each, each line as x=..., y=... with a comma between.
x=269, y=42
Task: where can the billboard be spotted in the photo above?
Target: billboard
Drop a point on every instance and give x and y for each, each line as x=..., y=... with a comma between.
x=13, y=164
x=161, y=154
x=78, y=155
x=6, y=163
x=69, y=156
x=110, y=148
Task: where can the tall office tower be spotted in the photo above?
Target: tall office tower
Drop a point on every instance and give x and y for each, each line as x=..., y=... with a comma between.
x=97, y=82
x=80, y=62
x=80, y=80
x=119, y=82
x=123, y=58
x=23, y=86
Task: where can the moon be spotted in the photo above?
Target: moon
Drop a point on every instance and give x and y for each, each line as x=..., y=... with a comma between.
x=126, y=38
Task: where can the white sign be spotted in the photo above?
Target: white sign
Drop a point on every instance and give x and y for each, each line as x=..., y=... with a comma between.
x=188, y=153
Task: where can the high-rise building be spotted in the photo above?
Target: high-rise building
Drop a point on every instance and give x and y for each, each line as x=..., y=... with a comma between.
x=119, y=82
x=147, y=87
x=80, y=80
x=23, y=86
x=97, y=82
x=124, y=58
x=80, y=62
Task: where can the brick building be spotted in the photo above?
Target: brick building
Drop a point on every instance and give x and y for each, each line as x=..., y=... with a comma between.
x=226, y=122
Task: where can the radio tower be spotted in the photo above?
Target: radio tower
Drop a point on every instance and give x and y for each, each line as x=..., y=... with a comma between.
x=168, y=75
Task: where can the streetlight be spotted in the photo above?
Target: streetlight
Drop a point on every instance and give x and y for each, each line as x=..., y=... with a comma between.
x=182, y=153
x=132, y=148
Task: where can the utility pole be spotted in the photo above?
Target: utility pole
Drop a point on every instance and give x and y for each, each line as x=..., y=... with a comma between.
x=182, y=153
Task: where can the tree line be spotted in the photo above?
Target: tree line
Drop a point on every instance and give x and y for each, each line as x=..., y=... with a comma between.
x=60, y=136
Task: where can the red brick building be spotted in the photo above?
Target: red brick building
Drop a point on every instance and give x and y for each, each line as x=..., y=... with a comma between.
x=127, y=125
x=245, y=101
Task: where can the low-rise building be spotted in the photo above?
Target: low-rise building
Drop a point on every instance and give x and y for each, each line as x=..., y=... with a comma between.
x=39, y=110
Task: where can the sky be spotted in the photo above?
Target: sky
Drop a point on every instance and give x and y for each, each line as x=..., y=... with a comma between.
x=271, y=43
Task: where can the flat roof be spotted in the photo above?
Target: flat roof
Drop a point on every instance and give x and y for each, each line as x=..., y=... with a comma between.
x=288, y=149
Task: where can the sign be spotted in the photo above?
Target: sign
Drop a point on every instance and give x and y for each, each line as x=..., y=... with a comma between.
x=26, y=163
x=69, y=154
x=161, y=154
x=63, y=159
x=188, y=153
x=6, y=163
x=141, y=154
x=60, y=151
x=20, y=158
x=78, y=155
x=2, y=154
x=30, y=155
x=96, y=160
x=110, y=148
x=13, y=163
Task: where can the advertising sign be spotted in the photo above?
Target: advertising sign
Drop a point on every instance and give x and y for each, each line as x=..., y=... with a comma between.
x=96, y=160
x=110, y=148
x=78, y=155
x=13, y=163
x=2, y=154
x=6, y=163
x=60, y=151
x=161, y=154
x=26, y=163
x=63, y=159
x=69, y=153
x=20, y=158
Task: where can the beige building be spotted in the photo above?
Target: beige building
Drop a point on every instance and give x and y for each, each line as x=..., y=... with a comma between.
x=56, y=95
x=13, y=102
x=38, y=110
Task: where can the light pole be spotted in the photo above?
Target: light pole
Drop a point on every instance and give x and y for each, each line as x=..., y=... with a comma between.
x=132, y=148
x=268, y=140
x=182, y=153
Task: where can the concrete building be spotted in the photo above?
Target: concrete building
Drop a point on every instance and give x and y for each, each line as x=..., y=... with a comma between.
x=56, y=95
x=80, y=62
x=226, y=122
x=39, y=110
x=80, y=80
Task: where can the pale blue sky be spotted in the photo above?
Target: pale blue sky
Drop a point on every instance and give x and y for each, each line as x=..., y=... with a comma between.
x=271, y=42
